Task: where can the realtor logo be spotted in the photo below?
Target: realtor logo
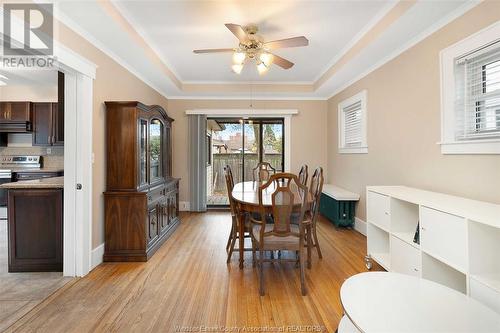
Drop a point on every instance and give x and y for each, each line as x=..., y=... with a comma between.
x=28, y=29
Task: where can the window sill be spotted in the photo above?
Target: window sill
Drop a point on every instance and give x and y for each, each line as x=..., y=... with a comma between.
x=358, y=150
x=484, y=147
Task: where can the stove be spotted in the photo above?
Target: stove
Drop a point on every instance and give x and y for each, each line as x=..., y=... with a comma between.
x=11, y=163
x=20, y=161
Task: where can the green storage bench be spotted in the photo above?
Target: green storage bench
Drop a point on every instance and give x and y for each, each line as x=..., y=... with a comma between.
x=337, y=205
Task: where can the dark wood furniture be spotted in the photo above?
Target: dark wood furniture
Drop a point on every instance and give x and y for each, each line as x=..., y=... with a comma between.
x=288, y=202
x=263, y=171
x=47, y=130
x=35, y=230
x=246, y=195
x=141, y=199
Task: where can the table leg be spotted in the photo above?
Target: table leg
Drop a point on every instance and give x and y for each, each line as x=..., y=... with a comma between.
x=241, y=238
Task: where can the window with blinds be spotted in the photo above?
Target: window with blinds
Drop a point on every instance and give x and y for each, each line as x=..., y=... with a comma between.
x=477, y=103
x=352, y=124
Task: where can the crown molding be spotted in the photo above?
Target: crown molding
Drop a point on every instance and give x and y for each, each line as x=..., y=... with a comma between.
x=253, y=83
x=412, y=42
x=253, y=99
x=312, y=95
x=369, y=26
x=244, y=112
x=64, y=19
x=142, y=34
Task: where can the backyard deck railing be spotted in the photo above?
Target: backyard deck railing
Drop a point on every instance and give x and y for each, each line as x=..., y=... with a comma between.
x=235, y=160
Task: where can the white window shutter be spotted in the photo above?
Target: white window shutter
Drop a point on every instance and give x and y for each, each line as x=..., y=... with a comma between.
x=352, y=124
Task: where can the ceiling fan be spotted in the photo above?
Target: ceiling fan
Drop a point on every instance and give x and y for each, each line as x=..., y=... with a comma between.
x=253, y=47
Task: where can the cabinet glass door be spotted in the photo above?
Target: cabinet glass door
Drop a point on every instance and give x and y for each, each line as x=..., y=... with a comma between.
x=155, y=148
x=143, y=135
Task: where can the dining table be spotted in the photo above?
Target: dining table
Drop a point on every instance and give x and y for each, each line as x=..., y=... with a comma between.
x=246, y=196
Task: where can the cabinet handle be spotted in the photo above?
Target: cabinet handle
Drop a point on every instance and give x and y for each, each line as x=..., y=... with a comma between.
x=416, y=270
x=423, y=229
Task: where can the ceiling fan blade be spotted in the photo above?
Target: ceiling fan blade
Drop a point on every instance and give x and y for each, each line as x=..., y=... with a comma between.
x=282, y=62
x=287, y=42
x=238, y=31
x=213, y=50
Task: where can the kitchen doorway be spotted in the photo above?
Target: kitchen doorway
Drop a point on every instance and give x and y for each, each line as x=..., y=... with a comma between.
x=241, y=143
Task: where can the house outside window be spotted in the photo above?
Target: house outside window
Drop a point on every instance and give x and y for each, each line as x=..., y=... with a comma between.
x=470, y=94
x=352, y=125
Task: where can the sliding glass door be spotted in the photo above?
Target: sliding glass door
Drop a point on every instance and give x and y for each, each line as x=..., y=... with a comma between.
x=241, y=144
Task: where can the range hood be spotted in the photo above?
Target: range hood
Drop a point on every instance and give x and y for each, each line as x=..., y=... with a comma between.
x=15, y=126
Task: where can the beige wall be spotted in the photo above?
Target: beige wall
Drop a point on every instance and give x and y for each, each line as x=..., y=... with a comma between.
x=308, y=137
x=404, y=125
x=113, y=82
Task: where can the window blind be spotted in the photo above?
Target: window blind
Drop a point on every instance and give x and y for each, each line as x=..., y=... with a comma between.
x=477, y=81
x=352, y=125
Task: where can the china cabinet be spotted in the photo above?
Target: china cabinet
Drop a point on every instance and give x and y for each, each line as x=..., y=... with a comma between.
x=141, y=198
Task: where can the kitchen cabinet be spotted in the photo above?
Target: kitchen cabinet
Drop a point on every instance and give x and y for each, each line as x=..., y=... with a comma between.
x=35, y=218
x=141, y=199
x=15, y=111
x=46, y=124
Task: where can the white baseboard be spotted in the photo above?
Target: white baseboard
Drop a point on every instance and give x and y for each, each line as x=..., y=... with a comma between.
x=360, y=226
x=97, y=254
x=184, y=206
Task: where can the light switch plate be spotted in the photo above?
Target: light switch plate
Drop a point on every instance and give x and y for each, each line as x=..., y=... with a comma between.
x=49, y=151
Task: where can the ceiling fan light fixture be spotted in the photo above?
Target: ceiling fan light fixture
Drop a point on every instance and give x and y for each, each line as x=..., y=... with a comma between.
x=266, y=58
x=262, y=68
x=237, y=68
x=239, y=57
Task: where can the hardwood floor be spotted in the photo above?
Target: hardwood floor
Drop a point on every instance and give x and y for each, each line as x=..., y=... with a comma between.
x=187, y=284
x=21, y=292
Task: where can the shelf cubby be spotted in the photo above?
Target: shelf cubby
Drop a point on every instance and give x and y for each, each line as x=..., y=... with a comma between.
x=379, y=245
x=404, y=220
x=437, y=271
x=484, y=252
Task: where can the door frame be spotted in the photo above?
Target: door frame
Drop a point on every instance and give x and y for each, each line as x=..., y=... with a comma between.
x=257, y=113
x=79, y=74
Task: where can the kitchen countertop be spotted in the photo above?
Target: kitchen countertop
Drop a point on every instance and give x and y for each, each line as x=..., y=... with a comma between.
x=54, y=182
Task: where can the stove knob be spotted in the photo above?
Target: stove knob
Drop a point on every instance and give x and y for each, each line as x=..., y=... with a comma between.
x=29, y=159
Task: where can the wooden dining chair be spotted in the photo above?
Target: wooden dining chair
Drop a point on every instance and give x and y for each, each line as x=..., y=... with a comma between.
x=315, y=189
x=303, y=175
x=262, y=172
x=234, y=235
x=288, y=197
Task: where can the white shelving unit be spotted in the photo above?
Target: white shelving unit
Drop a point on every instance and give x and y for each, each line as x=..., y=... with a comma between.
x=459, y=239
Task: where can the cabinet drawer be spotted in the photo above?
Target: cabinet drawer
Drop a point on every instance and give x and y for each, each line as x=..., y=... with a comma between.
x=156, y=194
x=485, y=294
x=444, y=235
x=404, y=258
x=378, y=208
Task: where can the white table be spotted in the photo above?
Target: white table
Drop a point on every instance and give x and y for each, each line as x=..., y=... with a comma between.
x=392, y=302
